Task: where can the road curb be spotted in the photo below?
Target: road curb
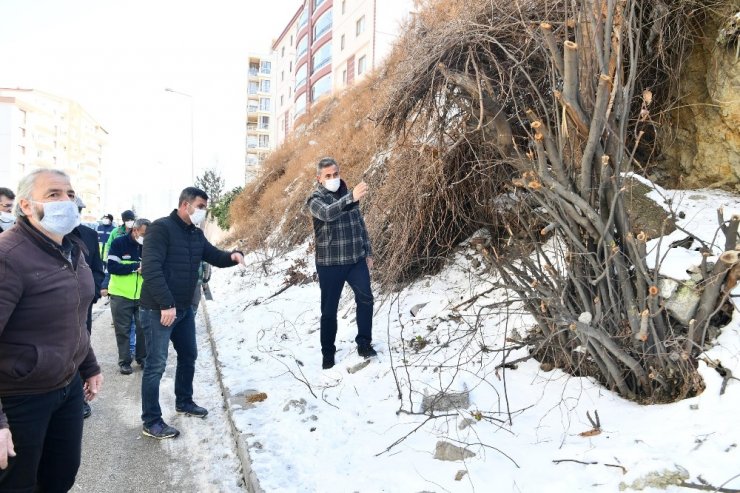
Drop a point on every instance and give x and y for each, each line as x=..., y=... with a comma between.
x=242, y=449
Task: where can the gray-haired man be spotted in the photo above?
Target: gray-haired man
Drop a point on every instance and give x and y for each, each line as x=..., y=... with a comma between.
x=343, y=255
x=44, y=344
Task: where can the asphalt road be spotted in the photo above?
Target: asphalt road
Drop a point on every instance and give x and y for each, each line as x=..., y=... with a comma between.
x=116, y=457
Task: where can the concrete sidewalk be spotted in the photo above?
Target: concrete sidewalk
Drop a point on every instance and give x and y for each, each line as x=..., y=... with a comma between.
x=116, y=457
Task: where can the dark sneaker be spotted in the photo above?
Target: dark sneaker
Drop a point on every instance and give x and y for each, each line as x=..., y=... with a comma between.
x=86, y=410
x=192, y=409
x=160, y=430
x=328, y=362
x=366, y=351
x=140, y=362
x=126, y=369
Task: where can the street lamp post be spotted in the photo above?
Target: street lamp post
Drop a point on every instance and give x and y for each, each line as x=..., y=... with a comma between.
x=192, y=142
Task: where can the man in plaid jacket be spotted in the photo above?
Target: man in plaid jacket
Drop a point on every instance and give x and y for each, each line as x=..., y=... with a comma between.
x=343, y=254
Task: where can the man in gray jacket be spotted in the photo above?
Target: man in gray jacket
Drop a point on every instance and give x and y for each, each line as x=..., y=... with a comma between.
x=343, y=255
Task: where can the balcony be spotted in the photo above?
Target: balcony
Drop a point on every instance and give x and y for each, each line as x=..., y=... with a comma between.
x=252, y=127
x=252, y=109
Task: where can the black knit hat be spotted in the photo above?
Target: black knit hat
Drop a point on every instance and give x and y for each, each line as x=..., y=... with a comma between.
x=128, y=215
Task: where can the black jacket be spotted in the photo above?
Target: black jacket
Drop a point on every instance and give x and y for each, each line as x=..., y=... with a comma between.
x=172, y=253
x=90, y=238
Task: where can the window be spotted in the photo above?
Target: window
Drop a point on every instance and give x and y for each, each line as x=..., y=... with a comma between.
x=282, y=76
x=264, y=123
x=317, y=3
x=291, y=67
x=254, y=68
x=291, y=40
x=344, y=6
x=265, y=86
x=254, y=87
x=361, y=65
x=282, y=52
x=303, y=19
x=251, y=141
x=323, y=24
x=302, y=47
x=344, y=76
x=360, y=26
x=341, y=42
x=300, y=76
x=300, y=105
x=265, y=104
x=252, y=108
x=321, y=87
x=265, y=67
x=281, y=100
x=264, y=141
x=321, y=57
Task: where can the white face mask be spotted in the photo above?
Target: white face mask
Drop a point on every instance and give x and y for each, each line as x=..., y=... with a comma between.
x=129, y=224
x=60, y=218
x=197, y=216
x=106, y=222
x=140, y=240
x=7, y=220
x=332, y=185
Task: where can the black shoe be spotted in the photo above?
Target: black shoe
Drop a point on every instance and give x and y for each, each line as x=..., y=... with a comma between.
x=140, y=362
x=86, y=410
x=328, y=362
x=160, y=430
x=366, y=351
x=126, y=369
x=192, y=409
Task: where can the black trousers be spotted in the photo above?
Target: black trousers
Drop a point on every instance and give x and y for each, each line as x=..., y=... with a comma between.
x=331, y=282
x=47, y=434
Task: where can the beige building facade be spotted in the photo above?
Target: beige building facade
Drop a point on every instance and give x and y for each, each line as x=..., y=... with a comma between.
x=260, y=124
x=42, y=130
x=329, y=45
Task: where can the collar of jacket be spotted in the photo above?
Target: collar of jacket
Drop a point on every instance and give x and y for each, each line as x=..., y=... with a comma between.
x=77, y=233
x=132, y=241
x=70, y=243
x=178, y=220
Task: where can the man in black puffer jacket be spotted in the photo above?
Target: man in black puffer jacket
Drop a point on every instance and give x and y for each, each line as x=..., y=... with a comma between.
x=173, y=249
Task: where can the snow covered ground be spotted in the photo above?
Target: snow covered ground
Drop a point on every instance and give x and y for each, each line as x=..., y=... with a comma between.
x=363, y=430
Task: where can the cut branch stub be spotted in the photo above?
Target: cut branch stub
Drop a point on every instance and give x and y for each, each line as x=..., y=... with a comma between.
x=709, y=297
x=552, y=46
x=570, y=87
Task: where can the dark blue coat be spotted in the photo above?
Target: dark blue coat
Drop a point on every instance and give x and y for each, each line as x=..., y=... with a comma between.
x=104, y=232
x=172, y=253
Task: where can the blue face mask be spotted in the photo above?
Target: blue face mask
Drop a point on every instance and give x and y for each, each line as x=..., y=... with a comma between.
x=59, y=218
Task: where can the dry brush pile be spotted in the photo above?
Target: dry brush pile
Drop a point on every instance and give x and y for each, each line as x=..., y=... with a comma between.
x=525, y=116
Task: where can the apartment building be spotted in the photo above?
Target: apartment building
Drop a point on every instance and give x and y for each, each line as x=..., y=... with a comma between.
x=42, y=130
x=259, y=111
x=326, y=46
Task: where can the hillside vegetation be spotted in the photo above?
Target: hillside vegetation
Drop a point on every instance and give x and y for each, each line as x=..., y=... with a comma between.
x=520, y=119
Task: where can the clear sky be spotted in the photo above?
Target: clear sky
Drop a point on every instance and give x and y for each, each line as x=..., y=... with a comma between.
x=116, y=58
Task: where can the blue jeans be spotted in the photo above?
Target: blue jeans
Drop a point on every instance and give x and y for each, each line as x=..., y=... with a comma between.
x=331, y=282
x=157, y=338
x=47, y=433
x=132, y=336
